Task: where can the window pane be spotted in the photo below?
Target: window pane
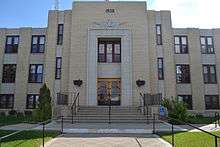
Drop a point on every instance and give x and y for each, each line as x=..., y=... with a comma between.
x=42, y=40
x=177, y=40
x=212, y=69
x=117, y=49
x=209, y=40
x=158, y=31
x=205, y=69
x=101, y=48
x=177, y=48
x=58, y=62
x=35, y=39
x=184, y=40
x=40, y=69
x=33, y=69
x=16, y=40
x=202, y=40
x=9, y=40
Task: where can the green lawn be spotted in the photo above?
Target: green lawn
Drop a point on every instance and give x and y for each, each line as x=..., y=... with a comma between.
x=13, y=119
x=191, y=139
x=26, y=138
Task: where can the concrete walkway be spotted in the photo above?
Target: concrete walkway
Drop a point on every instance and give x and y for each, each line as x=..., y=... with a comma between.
x=107, y=140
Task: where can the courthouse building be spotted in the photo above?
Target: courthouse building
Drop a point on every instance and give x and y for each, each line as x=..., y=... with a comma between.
x=107, y=47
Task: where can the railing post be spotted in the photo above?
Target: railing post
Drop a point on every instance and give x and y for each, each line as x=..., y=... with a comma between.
x=144, y=105
x=43, y=132
x=216, y=121
x=109, y=112
x=216, y=141
x=154, y=119
x=61, y=124
x=172, y=135
x=0, y=141
x=72, y=115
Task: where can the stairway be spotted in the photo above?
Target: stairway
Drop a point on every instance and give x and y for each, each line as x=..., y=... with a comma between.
x=100, y=114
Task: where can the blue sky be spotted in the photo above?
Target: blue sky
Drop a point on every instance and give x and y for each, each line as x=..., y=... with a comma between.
x=185, y=13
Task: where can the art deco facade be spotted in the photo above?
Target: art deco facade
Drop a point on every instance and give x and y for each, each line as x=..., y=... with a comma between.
x=109, y=46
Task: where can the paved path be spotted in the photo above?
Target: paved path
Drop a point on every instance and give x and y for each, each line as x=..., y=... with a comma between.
x=107, y=140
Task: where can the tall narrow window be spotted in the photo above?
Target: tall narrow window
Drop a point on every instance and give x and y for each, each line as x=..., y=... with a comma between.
x=181, y=44
x=36, y=73
x=212, y=102
x=160, y=69
x=12, y=44
x=6, y=101
x=186, y=99
x=60, y=34
x=207, y=46
x=38, y=44
x=9, y=73
x=158, y=34
x=209, y=74
x=182, y=73
x=58, y=67
x=32, y=101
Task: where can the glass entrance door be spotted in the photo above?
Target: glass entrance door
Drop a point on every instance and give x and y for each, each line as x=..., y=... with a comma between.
x=109, y=91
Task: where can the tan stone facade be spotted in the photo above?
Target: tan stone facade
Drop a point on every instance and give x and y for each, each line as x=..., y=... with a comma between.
x=136, y=27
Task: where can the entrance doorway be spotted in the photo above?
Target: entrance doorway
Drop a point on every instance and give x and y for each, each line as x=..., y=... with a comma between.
x=109, y=91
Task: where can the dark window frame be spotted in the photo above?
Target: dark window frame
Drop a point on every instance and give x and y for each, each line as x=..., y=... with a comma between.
x=9, y=103
x=35, y=101
x=6, y=77
x=58, y=70
x=189, y=75
x=160, y=70
x=209, y=74
x=60, y=34
x=106, y=41
x=35, y=74
x=38, y=45
x=211, y=106
x=13, y=47
x=159, y=39
x=187, y=99
x=181, y=45
x=206, y=45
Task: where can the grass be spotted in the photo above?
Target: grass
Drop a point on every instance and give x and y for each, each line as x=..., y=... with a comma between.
x=191, y=139
x=14, y=119
x=26, y=138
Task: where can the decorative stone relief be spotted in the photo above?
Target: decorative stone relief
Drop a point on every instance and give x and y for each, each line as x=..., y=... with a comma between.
x=109, y=24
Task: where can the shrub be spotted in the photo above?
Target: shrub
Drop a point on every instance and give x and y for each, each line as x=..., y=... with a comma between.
x=12, y=112
x=44, y=109
x=20, y=114
x=176, y=109
x=2, y=114
x=27, y=113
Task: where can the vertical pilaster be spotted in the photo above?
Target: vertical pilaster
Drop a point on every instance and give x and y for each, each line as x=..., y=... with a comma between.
x=22, y=68
x=2, y=48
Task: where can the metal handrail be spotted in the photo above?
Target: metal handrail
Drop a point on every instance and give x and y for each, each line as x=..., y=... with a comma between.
x=74, y=106
x=182, y=122
x=28, y=129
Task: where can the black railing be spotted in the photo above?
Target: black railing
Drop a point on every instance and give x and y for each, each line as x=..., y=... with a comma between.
x=173, y=121
x=217, y=119
x=75, y=105
x=33, y=128
x=109, y=111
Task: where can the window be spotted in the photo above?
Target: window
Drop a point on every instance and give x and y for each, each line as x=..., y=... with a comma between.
x=207, y=46
x=32, y=101
x=38, y=44
x=181, y=44
x=211, y=102
x=36, y=73
x=109, y=50
x=158, y=34
x=160, y=69
x=9, y=73
x=209, y=74
x=182, y=73
x=12, y=44
x=6, y=101
x=186, y=99
x=60, y=34
x=58, y=67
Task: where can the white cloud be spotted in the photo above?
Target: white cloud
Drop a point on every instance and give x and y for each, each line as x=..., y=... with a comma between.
x=191, y=13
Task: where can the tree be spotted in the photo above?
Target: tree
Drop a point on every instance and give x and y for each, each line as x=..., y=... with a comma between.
x=44, y=109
